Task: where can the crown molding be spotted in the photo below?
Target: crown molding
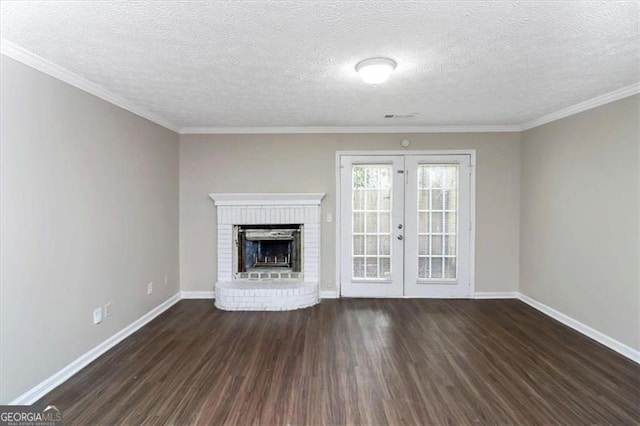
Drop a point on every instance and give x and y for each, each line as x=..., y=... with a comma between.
x=613, y=96
x=37, y=62
x=359, y=129
x=616, y=95
x=28, y=58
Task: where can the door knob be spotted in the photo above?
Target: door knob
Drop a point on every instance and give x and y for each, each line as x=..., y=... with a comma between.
x=400, y=237
x=400, y=226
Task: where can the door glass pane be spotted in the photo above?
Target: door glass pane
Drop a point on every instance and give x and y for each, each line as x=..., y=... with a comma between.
x=371, y=218
x=436, y=245
x=371, y=226
x=372, y=244
x=385, y=222
x=436, y=267
x=371, y=269
x=449, y=267
x=385, y=199
x=358, y=245
x=385, y=267
x=358, y=222
x=358, y=266
x=358, y=200
x=423, y=223
x=423, y=245
x=372, y=200
x=437, y=221
x=385, y=245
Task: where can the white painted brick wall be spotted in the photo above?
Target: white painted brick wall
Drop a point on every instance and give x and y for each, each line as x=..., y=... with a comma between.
x=309, y=216
x=268, y=294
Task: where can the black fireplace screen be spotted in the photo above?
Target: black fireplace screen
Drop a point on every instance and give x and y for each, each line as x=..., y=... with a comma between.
x=269, y=248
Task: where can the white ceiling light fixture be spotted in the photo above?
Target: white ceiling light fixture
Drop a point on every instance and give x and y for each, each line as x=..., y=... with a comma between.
x=375, y=70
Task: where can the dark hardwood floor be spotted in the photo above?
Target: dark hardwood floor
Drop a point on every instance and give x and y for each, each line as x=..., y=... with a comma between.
x=355, y=361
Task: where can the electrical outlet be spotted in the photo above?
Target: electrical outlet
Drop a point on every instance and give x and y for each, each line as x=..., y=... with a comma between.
x=107, y=310
x=150, y=288
x=97, y=316
x=166, y=279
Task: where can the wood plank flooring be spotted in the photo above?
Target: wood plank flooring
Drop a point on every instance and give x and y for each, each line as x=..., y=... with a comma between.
x=355, y=361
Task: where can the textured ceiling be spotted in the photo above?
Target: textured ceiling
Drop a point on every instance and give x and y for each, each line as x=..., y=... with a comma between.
x=291, y=63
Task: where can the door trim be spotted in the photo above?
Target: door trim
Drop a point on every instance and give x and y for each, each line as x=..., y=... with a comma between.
x=472, y=207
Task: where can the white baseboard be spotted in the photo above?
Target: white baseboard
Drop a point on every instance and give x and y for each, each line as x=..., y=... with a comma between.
x=611, y=343
x=496, y=295
x=197, y=295
x=64, y=374
x=329, y=294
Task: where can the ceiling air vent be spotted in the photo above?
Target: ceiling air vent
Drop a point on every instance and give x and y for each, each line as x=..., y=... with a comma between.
x=410, y=115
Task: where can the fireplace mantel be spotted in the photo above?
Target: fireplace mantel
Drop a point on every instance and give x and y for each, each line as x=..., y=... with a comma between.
x=267, y=199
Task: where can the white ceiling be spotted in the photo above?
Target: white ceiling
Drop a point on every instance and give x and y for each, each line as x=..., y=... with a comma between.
x=291, y=63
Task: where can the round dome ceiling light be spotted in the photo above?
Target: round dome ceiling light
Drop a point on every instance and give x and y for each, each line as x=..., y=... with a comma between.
x=375, y=70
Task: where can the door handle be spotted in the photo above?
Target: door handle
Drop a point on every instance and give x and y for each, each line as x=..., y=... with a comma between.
x=400, y=237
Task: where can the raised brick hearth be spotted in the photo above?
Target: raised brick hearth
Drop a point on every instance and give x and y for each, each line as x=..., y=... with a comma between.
x=265, y=296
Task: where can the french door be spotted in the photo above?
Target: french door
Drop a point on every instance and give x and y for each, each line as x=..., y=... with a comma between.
x=405, y=226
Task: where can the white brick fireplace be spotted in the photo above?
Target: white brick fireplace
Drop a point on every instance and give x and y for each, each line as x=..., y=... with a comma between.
x=235, y=291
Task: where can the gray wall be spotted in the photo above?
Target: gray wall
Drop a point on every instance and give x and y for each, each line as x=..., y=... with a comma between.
x=89, y=216
x=579, y=246
x=306, y=163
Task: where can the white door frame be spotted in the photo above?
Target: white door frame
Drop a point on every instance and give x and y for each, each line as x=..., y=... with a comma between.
x=435, y=152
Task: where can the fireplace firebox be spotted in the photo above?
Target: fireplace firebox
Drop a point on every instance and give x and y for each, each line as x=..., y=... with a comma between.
x=268, y=252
